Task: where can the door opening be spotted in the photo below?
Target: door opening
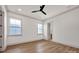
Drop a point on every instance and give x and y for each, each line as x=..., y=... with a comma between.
x=49, y=31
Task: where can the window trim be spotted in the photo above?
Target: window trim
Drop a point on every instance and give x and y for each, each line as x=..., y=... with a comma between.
x=42, y=30
x=10, y=26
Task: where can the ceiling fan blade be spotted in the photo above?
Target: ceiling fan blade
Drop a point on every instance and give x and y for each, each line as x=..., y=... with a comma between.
x=42, y=7
x=35, y=11
x=43, y=12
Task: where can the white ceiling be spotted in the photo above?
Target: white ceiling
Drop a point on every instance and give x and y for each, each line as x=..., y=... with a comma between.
x=51, y=10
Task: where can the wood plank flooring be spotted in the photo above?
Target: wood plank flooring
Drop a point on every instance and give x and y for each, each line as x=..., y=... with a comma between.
x=41, y=46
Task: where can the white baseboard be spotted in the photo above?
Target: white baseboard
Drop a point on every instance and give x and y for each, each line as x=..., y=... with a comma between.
x=23, y=42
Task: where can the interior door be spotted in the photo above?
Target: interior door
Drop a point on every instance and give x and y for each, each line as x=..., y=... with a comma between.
x=49, y=31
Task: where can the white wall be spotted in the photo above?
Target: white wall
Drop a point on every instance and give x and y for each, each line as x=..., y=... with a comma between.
x=29, y=30
x=66, y=28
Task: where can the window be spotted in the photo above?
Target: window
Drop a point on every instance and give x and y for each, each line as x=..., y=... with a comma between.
x=15, y=27
x=40, y=28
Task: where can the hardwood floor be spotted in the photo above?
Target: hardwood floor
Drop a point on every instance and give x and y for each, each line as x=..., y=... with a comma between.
x=41, y=46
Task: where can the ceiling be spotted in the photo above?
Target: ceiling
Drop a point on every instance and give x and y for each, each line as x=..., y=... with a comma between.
x=51, y=10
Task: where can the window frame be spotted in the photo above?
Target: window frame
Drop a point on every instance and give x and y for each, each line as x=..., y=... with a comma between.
x=38, y=29
x=10, y=27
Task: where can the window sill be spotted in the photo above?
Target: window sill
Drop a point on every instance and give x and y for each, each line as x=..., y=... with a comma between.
x=15, y=35
x=40, y=34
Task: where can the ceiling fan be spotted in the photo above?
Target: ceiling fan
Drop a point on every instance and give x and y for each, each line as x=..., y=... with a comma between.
x=41, y=10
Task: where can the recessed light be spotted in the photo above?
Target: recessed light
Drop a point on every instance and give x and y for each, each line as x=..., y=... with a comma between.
x=19, y=9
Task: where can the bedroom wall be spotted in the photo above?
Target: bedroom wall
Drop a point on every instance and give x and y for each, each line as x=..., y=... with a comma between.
x=65, y=28
x=29, y=30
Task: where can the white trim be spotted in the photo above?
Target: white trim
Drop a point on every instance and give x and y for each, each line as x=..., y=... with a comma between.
x=4, y=43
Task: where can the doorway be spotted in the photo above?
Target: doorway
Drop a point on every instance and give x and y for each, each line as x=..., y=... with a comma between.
x=49, y=30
